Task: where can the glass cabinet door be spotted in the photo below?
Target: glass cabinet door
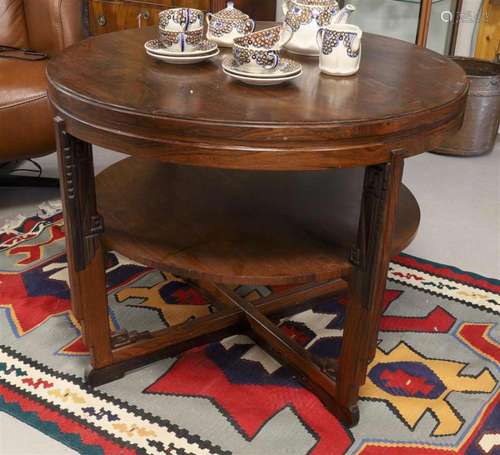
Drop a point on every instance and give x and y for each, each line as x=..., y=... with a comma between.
x=399, y=19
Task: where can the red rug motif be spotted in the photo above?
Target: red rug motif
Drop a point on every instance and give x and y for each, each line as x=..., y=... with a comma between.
x=431, y=389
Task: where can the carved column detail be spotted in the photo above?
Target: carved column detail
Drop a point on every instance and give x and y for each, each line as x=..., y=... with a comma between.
x=370, y=257
x=83, y=226
x=77, y=170
x=371, y=223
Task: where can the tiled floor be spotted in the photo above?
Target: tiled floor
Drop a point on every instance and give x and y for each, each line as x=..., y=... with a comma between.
x=460, y=203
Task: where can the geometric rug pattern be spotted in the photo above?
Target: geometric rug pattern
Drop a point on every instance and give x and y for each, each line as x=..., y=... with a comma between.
x=432, y=388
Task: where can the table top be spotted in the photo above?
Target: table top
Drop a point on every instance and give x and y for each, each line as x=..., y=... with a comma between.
x=112, y=93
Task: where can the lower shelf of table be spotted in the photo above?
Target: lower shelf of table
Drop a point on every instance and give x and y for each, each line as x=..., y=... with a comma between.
x=238, y=226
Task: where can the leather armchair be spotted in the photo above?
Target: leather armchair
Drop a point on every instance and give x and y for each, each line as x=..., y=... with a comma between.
x=26, y=126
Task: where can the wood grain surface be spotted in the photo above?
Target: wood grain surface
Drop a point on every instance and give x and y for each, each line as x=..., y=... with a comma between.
x=403, y=97
x=239, y=227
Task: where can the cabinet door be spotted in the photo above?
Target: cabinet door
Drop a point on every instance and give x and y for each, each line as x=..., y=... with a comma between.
x=260, y=10
x=488, y=39
x=108, y=16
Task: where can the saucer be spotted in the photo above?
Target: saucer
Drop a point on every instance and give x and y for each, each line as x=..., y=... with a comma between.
x=155, y=46
x=257, y=80
x=183, y=59
x=285, y=68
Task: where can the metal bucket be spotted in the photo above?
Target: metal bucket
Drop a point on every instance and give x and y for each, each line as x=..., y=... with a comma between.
x=482, y=114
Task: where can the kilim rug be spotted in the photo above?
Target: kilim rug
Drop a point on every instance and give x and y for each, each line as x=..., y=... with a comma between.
x=432, y=388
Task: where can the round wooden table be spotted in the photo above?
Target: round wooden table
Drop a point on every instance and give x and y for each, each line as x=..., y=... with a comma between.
x=231, y=184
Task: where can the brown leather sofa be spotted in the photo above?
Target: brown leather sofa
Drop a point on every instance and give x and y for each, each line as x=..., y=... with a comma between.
x=26, y=127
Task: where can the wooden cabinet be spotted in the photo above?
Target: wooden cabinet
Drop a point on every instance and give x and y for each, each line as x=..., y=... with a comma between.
x=111, y=15
x=260, y=10
x=488, y=39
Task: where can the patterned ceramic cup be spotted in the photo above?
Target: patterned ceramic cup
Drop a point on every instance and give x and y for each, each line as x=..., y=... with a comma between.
x=259, y=52
x=180, y=19
x=340, y=49
x=254, y=60
x=182, y=41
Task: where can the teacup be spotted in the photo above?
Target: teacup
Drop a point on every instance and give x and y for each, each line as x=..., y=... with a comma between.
x=255, y=60
x=270, y=38
x=182, y=41
x=259, y=52
x=180, y=19
x=340, y=49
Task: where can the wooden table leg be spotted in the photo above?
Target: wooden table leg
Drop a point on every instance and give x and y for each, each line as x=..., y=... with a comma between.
x=370, y=258
x=228, y=321
x=317, y=376
x=83, y=226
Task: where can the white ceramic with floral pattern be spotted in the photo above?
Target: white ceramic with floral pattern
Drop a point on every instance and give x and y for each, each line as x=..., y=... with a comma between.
x=155, y=46
x=340, y=49
x=287, y=67
x=182, y=41
x=259, y=52
x=228, y=24
x=306, y=17
x=180, y=19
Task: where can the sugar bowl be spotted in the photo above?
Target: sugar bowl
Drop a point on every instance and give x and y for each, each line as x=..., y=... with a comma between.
x=228, y=24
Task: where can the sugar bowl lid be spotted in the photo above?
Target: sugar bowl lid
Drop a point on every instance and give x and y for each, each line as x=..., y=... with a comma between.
x=231, y=13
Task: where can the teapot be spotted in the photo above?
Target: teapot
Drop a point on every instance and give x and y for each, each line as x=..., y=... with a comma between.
x=306, y=17
x=228, y=24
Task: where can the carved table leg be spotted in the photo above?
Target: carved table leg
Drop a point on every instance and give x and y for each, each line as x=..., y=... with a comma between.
x=370, y=258
x=83, y=225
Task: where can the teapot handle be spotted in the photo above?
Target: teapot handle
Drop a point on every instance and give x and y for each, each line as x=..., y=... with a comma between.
x=284, y=7
x=250, y=25
x=276, y=61
x=319, y=38
x=356, y=44
x=285, y=35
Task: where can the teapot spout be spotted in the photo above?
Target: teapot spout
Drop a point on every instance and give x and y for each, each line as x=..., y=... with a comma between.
x=342, y=16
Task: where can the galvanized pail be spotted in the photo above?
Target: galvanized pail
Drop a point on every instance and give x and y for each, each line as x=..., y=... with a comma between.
x=482, y=115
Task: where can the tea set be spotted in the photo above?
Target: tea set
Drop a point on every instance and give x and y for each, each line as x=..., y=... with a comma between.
x=311, y=27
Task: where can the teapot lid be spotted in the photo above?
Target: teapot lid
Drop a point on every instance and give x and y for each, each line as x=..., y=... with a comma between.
x=231, y=13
